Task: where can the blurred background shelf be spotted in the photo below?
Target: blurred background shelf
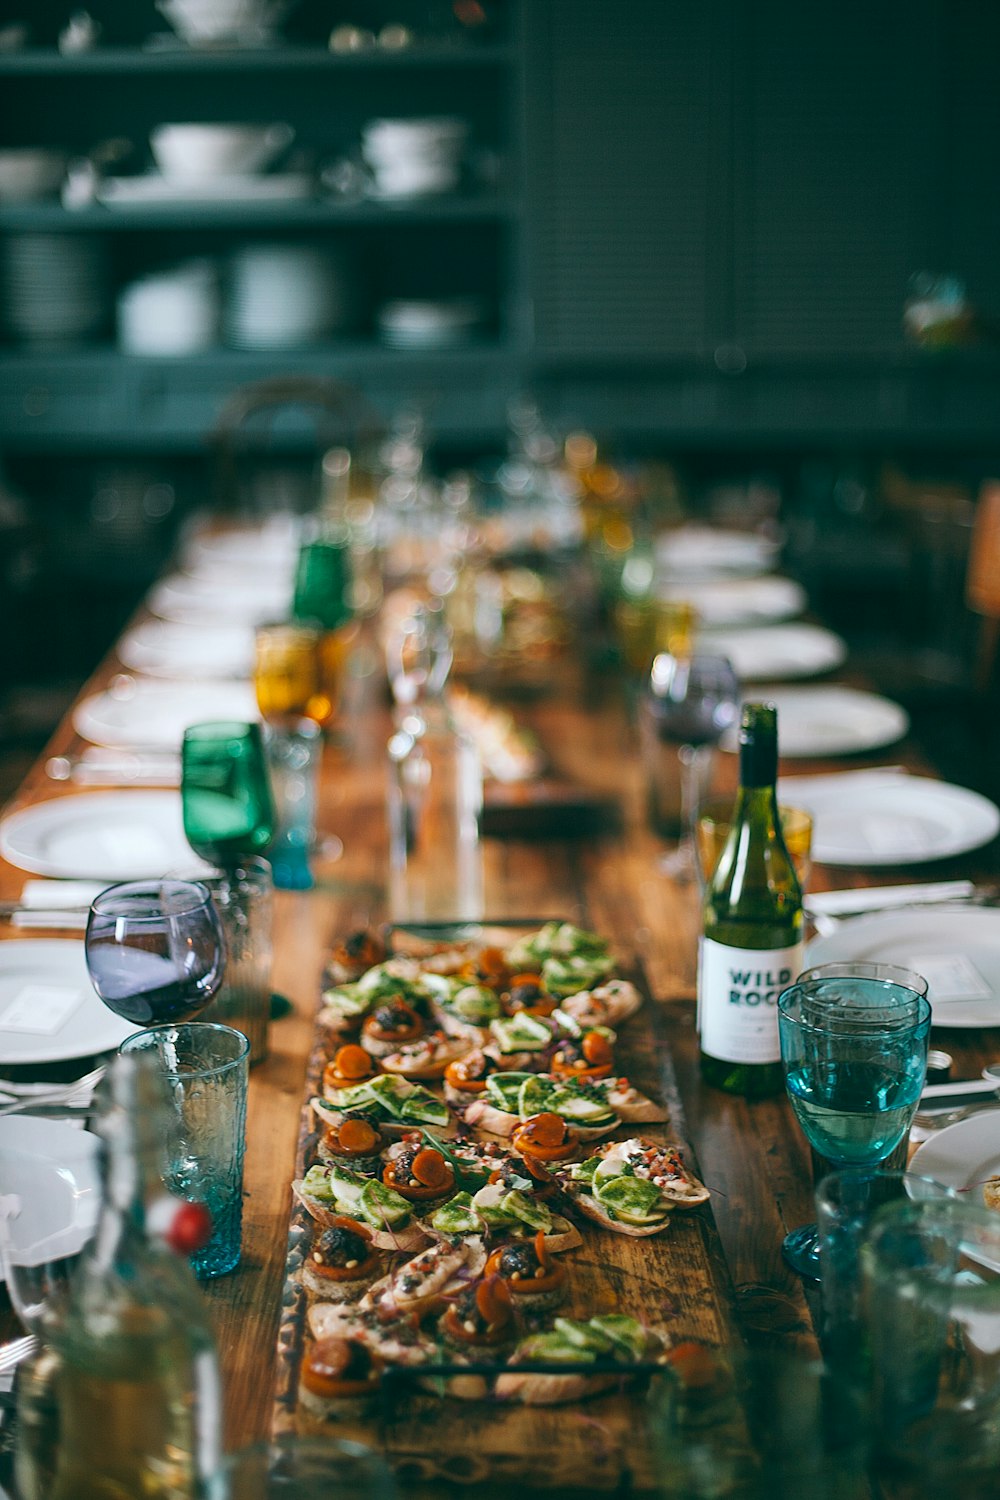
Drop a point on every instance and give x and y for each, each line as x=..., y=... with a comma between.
x=305, y=213
x=108, y=61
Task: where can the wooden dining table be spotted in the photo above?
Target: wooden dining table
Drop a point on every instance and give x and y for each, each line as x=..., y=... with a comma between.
x=600, y=868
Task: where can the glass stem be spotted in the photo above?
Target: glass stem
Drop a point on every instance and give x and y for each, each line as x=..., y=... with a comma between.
x=690, y=757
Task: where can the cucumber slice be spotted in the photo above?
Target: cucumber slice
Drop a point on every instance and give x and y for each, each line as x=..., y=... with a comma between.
x=381, y=1207
x=583, y=1335
x=347, y=1187
x=529, y=1210
x=633, y=1200
x=580, y=1107
x=317, y=1184
x=458, y=1216
x=626, y=1333
x=502, y=1090
x=534, y=1095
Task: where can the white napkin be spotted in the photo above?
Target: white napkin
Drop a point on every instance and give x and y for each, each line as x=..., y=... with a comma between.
x=56, y=903
x=101, y=766
x=877, y=898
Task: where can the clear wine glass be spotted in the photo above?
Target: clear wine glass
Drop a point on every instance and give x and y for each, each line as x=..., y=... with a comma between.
x=155, y=950
x=854, y=1044
x=692, y=701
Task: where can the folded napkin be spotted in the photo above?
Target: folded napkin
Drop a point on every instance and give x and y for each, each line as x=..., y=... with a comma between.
x=880, y=898
x=56, y=903
x=99, y=765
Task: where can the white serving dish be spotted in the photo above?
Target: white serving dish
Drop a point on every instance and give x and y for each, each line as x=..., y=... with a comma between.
x=199, y=152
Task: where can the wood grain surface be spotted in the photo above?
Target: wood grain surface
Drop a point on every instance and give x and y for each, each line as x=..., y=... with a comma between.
x=752, y=1156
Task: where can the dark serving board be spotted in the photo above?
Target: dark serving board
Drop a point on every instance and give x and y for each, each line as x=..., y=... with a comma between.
x=677, y=1281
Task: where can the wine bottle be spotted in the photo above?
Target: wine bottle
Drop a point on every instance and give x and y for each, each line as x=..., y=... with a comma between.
x=137, y=1383
x=751, y=946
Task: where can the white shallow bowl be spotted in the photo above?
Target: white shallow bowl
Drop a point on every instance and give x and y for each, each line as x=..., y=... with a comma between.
x=199, y=152
x=222, y=20
x=29, y=172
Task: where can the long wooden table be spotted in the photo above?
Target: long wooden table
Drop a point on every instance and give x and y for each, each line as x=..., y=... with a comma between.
x=753, y=1156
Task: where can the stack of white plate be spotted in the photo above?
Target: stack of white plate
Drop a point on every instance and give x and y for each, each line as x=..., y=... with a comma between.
x=284, y=296
x=56, y=286
x=414, y=158
x=429, y=325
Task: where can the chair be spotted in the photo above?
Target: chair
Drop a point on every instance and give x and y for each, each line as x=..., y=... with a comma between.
x=982, y=583
x=267, y=419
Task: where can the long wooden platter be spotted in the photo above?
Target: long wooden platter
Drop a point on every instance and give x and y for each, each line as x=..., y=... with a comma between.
x=676, y=1281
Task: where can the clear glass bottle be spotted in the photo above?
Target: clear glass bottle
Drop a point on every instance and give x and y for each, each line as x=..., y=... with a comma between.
x=435, y=792
x=37, y=1433
x=137, y=1384
x=751, y=946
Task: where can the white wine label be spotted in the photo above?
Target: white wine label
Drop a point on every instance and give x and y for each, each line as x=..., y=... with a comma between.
x=738, y=991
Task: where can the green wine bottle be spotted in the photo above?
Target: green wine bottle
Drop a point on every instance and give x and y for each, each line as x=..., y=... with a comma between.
x=751, y=946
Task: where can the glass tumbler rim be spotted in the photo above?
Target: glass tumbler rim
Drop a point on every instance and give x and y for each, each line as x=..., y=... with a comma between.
x=207, y=731
x=103, y=902
x=142, y=1040
x=865, y=969
x=859, y=1020
x=949, y=1214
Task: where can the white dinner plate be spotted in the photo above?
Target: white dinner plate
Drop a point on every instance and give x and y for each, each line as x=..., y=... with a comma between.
x=776, y=652
x=957, y=951
x=832, y=720
x=963, y=1156
x=48, y=1008
x=52, y=1168
x=722, y=602
x=273, y=545
x=710, y=550
x=892, y=819
x=155, y=714
x=166, y=648
x=107, y=836
x=204, y=599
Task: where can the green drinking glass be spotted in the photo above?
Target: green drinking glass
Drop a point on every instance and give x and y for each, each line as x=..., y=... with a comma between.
x=323, y=582
x=226, y=794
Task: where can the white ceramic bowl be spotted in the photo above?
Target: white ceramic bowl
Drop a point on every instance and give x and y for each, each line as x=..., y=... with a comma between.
x=198, y=153
x=222, y=20
x=175, y=312
x=29, y=172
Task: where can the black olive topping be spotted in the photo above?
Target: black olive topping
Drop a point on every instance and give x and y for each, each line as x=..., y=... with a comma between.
x=339, y=1245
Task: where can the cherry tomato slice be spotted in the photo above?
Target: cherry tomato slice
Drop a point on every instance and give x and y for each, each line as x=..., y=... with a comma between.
x=430, y=1168
x=352, y=1061
x=357, y=1135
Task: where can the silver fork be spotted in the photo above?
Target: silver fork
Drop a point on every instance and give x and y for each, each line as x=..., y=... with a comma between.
x=15, y=1351
x=15, y=1096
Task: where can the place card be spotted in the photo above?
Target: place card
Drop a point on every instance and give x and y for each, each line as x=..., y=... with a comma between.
x=41, y=1009
x=952, y=976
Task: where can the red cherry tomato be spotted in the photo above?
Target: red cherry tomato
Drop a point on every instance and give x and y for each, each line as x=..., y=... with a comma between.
x=190, y=1228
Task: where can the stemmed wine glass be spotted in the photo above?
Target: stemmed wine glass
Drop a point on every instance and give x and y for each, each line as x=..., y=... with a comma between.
x=691, y=702
x=155, y=950
x=854, y=1040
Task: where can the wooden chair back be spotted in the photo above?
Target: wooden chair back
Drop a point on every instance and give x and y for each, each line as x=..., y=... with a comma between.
x=982, y=582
